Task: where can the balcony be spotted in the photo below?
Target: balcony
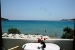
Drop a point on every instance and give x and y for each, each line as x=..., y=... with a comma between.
x=64, y=44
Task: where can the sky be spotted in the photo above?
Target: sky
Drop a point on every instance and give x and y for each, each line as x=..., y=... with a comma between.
x=38, y=9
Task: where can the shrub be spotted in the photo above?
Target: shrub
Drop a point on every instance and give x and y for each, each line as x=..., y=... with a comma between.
x=13, y=31
x=68, y=33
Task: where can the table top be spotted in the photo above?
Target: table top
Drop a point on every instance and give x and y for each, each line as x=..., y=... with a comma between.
x=34, y=46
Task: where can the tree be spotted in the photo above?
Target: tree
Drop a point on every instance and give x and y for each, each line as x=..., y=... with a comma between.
x=68, y=33
x=13, y=31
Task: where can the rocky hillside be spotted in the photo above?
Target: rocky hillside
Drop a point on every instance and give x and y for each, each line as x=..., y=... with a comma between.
x=4, y=19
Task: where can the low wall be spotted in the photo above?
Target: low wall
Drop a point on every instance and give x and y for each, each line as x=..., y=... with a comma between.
x=66, y=44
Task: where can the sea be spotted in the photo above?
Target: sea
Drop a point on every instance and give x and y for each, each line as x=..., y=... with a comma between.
x=50, y=28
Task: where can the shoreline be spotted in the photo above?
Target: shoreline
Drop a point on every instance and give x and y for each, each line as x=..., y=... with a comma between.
x=28, y=36
x=50, y=36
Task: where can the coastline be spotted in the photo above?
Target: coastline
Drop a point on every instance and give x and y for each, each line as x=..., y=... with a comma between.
x=37, y=27
x=29, y=36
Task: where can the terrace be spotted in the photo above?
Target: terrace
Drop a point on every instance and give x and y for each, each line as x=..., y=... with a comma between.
x=64, y=44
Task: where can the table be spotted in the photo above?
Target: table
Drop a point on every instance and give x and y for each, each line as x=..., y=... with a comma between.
x=34, y=46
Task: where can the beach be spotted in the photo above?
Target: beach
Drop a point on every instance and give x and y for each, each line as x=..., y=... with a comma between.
x=28, y=37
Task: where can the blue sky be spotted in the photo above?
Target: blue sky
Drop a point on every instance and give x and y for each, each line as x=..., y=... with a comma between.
x=38, y=9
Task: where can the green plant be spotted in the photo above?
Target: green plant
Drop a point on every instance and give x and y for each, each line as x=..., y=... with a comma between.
x=68, y=33
x=13, y=31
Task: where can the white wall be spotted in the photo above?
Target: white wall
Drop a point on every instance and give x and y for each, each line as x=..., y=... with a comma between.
x=66, y=44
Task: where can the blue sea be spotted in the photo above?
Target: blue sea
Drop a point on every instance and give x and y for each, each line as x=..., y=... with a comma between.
x=37, y=26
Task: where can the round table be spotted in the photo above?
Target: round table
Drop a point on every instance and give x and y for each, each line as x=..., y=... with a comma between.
x=34, y=46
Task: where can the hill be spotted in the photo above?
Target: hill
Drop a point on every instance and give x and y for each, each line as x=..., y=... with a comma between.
x=4, y=19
